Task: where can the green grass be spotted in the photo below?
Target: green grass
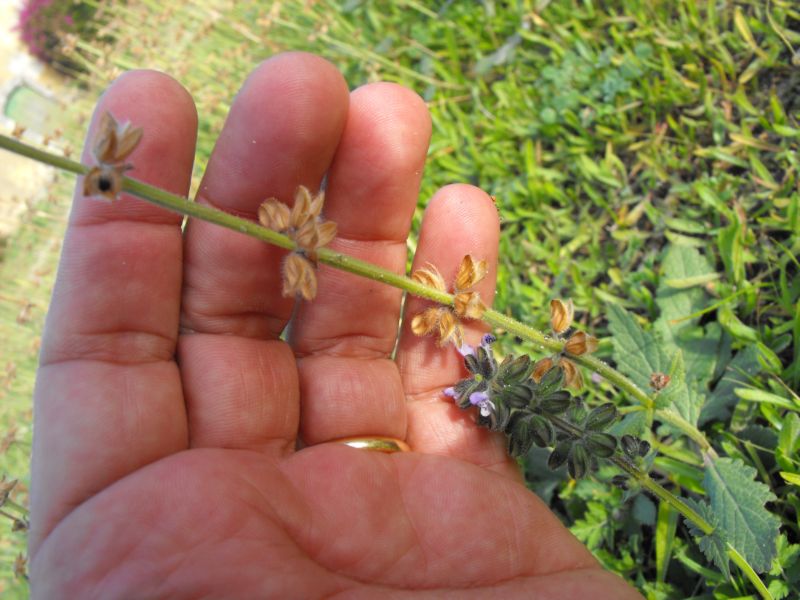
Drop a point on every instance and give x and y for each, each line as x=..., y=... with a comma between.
x=643, y=155
x=27, y=271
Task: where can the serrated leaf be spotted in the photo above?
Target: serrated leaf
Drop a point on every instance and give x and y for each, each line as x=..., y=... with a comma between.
x=738, y=371
x=637, y=352
x=700, y=346
x=711, y=544
x=593, y=527
x=679, y=296
x=680, y=396
x=737, y=501
x=634, y=423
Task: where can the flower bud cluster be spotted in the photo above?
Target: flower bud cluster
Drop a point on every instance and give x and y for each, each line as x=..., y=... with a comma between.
x=536, y=411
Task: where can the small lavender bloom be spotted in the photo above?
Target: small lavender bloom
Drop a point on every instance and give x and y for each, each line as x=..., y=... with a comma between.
x=596, y=377
x=450, y=392
x=481, y=399
x=487, y=340
x=466, y=350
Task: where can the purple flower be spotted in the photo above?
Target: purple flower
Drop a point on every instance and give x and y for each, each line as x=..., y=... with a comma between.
x=466, y=350
x=487, y=340
x=481, y=399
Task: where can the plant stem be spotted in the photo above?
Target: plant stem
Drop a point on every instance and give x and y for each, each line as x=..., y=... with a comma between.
x=347, y=263
x=664, y=494
x=17, y=507
x=675, y=502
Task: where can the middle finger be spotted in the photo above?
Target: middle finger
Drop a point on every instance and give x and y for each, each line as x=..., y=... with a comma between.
x=239, y=380
x=349, y=385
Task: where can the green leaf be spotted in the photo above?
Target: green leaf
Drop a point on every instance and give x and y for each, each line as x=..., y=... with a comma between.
x=644, y=510
x=679, y=395
x=712, y=545
x=700, y=347
x=756, y=395
x=634, y=423
x=733, y=325
x=737, y=501
x=737, y=374
x=791, y=478
x=666, y=527
x=593, y=527
x=679, y=296
x=788, y=449
x=731, y=249
x=637, y=352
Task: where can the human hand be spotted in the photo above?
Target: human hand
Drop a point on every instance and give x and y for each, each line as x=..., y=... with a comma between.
x=167, y=408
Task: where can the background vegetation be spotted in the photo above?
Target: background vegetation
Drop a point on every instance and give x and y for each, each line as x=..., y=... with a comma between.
x=644, y=160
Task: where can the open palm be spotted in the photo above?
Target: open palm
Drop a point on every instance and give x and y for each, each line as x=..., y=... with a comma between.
x=168, y=410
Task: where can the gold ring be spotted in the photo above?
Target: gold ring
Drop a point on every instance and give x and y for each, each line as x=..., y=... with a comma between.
x=379, y=444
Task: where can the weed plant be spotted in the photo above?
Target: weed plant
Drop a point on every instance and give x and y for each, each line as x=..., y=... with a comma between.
x=644, y=160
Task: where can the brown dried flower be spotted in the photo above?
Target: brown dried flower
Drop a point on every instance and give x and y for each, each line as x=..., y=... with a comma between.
x=5, y=489
x=658, y=381
x=431, y=277
x=302, y=223
x=306, y=208
x=470, y=272
x=572, y=374
x=299, y=277
x=113, y=143
x=443, y=321
x=104, y=180
x=274, y=215
x=541, y=367
x=561, y=314
x=20, y=566
x=561, y=317
x=580, y=342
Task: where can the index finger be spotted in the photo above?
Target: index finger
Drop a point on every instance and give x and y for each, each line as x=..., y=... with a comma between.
x=108, y=397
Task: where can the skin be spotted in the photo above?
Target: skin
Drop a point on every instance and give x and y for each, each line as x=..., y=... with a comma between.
x=167, y=409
